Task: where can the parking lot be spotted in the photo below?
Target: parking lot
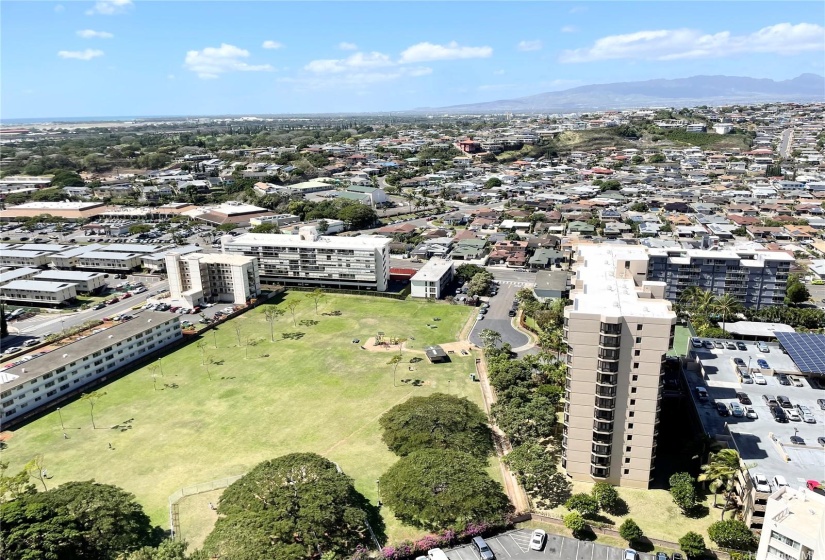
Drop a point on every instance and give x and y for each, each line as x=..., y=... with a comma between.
x=516, y=544
x=757, y=440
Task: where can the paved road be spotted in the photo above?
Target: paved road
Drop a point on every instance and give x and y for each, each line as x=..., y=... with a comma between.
x=516, y=544
x=786, y=142
x=497, y=319
x=45, y=323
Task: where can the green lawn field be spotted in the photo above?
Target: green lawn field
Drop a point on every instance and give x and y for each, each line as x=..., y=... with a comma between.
x=316, y=391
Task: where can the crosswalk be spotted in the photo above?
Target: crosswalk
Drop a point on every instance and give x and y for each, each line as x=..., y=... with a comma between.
x=34, y=323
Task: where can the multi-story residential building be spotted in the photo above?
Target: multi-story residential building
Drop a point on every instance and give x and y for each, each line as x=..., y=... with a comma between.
x=109, y=261
x=617, y=334
x=756, y=278
x=432, y=280
x=13, y=274
x=794, y=527
x=38, y=292
x=197, y=278
x=309, y=259
x=32, y=385
x=31, y=259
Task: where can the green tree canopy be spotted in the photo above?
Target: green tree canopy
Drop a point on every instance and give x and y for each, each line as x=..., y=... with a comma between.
x=77, y=519
x=492, y=182
x=606, y=495
x=66, y=178
x=466, y=271
x=683, y=491
x=357, y=215
x=732, y=533
x=267, y=227
x=437, y=421
x=535, y=468
x=136, y=229
x=585, y=504
x=693, y=545
x=796, y=291
x=630, y=531
x=289, y=507
x=440, y=489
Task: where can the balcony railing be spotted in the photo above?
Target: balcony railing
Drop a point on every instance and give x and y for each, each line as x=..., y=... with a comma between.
x=604, y=415
x=599, y=472
x=607, y=379
x=603, y=427
x=610, y=341
x=607, y=367
x=599, y=461
x=601, y=449
x=608, y=354
x=605, y=403
x=602, y=438
x=602, y=391
x=611, y=328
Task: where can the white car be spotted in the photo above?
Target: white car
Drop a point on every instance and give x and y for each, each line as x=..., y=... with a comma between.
x=736, y=409
x=807, y=415
x=750, y=413
x=12, y=350
x=793, y=415
x=760, y=481
x=758, y=378
x=537, y=539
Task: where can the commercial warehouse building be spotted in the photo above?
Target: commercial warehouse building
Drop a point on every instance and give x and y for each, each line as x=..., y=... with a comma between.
x=617, y=334
x=309, y=259
x=198, y=278
x=30, y=386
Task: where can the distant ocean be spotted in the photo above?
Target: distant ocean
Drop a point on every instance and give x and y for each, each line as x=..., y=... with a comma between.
x=17, y=122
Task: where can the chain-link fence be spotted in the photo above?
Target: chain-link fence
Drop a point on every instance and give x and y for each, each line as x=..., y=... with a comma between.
x=174, y=499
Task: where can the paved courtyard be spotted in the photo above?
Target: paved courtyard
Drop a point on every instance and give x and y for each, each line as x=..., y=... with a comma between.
x=516, y=544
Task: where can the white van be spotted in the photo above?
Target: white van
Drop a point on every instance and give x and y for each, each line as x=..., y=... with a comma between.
x=779, y=481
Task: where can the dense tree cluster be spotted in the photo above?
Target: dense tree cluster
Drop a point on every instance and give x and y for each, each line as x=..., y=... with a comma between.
x=437, y=421
x=76, y=520
x=293, y=507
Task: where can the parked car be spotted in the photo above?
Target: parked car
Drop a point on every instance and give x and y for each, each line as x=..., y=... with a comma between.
x=762, y=347
x=762, y=364
x=743, y=398
x=708, y=344
x=730, y=346
x=758, y=378
x=750, y=413
x=32, y=342
x=630, y=554
x=695, y=342
x=701, y=393
x=821, y=441
x=662, y=556
x=806, y=414
x=718, y=344
x=736, y=409
x=797, y=440
x=779, y=414
x=483, y=548
x=538, y=539
x=769, y=400
x=783, y=379
x=741, y=346
x=760, y=482
x=796, y=381
x=722, y=409
x=784, y=401
x=821, y=403
x=739, y=362
x=12, y=350
x=793, y=415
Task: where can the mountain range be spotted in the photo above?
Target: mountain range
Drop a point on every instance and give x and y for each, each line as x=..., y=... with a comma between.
x=680, y=92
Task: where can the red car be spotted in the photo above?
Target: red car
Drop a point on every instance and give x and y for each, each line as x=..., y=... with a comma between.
x=126, y=295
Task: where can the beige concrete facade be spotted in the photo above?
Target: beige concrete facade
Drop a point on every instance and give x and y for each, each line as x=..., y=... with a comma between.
x=794, y=527
x=617, y=333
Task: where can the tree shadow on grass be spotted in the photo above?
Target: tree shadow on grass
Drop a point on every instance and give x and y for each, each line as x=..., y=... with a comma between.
x=373, y=516
x=620, y=508
x=698, y=511
x=585, y=534
x=293, y=335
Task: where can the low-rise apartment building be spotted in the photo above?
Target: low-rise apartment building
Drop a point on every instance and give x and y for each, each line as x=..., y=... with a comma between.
x=38, y=292
x=30, y=386
x=197, y=278
x=617, y=334
x=108, y=261
x=794, y=527
x=31, y=259
x=84, y=282
x=13, y=274
x=432, y=280
x=309, y=259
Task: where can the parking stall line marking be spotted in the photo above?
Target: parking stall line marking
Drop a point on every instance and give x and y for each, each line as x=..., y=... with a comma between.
x=524, y=547
x=501, y=546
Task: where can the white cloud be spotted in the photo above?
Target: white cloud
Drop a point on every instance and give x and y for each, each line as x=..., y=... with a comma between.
x=272, y=45
x=170, y=76
x=91, y=34
x=529, y=46
x=357, y=60
x=569, y=29
x=87, y=54
x=424, y=52
x=675, y=44
x=344, y=46
x=59, y=8
x=110, y=7
x=214, y=61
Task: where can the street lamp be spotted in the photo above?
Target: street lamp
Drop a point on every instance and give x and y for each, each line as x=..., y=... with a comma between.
x=378, y=486
x=61, y=419
x=749, y=363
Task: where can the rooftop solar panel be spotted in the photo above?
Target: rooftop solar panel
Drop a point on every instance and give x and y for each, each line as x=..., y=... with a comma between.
x=806, y=350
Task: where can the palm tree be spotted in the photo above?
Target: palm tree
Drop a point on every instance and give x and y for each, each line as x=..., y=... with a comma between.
x=720, y=471
x=704, y=301
x=726, y=305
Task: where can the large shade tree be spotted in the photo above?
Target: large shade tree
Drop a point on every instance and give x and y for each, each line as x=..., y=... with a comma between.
x=437, y=421
x=439, y=489
x=296, y=506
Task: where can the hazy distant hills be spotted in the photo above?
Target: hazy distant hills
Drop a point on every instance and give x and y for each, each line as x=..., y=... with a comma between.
x=697, y=90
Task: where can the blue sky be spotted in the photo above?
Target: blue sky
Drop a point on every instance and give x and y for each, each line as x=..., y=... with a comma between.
x=130, y=57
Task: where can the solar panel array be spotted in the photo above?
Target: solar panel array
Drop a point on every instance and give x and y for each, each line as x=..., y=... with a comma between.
x=806, y=350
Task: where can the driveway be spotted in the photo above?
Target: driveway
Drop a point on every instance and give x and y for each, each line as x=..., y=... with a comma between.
x=516, y=544
x=497, y=318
